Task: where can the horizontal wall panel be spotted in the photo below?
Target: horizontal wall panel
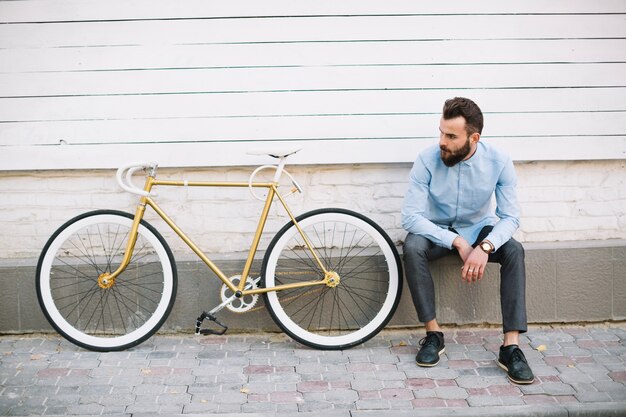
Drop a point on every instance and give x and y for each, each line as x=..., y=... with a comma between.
x=422, y=52
x=311, y=78
x=317, y=29
x=314, y=152
x=186, y=109
x=68, y=10
x=366, y=127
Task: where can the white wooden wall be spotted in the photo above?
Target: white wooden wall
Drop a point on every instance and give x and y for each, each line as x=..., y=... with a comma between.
x=95, y=84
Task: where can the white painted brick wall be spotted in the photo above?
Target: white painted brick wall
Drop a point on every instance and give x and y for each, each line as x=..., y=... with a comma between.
x=561, y=201
x=570, y=201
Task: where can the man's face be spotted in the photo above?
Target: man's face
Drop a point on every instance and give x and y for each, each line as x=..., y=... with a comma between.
x=453, y=141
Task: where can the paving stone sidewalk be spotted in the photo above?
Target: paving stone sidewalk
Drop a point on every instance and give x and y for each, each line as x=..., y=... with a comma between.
x=581, y=370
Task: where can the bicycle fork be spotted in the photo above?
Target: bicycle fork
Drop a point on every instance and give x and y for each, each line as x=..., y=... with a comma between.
x=107, y=279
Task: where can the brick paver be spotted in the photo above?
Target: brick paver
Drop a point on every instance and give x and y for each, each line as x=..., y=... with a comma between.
x=575, y=366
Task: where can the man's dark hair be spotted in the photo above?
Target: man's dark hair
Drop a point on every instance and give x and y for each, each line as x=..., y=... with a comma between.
x=460, y=106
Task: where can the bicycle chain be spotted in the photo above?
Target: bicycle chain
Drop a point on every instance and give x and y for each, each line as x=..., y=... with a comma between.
x=285, y=299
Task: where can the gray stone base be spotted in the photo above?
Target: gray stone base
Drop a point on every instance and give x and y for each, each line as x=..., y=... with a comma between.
x=566, y=282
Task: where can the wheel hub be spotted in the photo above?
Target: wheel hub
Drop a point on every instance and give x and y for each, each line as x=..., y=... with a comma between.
x=332, y=279
x=106, y=281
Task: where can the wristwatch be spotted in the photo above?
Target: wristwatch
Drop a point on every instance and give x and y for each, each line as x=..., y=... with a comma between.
x=486, y=246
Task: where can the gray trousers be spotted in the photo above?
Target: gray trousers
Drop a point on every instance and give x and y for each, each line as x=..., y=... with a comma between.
x=419, y=251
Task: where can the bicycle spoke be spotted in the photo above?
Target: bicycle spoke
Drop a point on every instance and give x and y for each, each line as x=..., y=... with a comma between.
x=119, y=311
x=142, y=286
x=80, y=300
x=341, y=314
x=131, y=315
x=104, y=246
x=71, y=277
x=359, y=303
x=94, y=287
x=95, y=309
x=144, y=297
x=320, y=303
x=75, y=269
x=104, y=314
x=86, y=256
x=124, y=278
x=125, y=297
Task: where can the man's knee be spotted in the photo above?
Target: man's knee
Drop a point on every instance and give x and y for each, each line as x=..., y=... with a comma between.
x=415, y=246
x=513, y=250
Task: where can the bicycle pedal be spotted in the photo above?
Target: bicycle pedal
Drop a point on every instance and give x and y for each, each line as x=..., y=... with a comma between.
x=214, y=319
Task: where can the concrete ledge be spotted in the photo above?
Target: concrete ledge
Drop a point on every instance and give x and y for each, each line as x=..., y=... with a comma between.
x=566, y=282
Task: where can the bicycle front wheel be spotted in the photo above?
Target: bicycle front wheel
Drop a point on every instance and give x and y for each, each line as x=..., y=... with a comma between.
x=362, y=256
x=84, y=310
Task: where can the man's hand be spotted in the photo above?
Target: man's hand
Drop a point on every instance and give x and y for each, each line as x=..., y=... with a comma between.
x=474, y=260
x=474, y=266
x=462, y=247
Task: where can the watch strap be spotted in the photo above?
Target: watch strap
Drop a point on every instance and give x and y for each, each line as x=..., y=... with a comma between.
x=488, y=243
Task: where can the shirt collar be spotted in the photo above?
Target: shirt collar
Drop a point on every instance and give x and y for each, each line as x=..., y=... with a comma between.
x=475, y=156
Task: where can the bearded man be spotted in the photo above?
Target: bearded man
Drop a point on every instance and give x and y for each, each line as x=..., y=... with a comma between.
x=448, y=209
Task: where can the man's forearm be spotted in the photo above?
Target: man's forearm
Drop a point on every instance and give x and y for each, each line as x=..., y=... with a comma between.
x=419, y=225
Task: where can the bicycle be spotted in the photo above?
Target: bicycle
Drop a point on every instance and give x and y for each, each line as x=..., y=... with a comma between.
x=331, y=278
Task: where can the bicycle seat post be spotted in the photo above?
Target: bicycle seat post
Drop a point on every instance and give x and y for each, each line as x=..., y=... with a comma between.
x=279, y=168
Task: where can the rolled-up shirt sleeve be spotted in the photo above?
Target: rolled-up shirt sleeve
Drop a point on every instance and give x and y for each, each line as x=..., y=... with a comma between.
x=414, y=208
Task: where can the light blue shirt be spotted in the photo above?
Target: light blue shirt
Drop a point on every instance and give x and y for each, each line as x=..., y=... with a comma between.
x=461, y=197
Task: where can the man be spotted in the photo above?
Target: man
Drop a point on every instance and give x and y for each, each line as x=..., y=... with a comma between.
x=448, y=209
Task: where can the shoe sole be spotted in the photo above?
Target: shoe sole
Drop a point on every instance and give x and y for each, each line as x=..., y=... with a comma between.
x=429, y=365
x=526, y=382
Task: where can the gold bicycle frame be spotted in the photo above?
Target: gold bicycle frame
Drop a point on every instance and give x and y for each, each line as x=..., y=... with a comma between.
x=330, y=278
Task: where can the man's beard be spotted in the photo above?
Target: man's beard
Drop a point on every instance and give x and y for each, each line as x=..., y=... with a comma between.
x=451, y=158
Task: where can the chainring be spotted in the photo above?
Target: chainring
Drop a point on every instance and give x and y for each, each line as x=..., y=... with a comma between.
x=242, y=304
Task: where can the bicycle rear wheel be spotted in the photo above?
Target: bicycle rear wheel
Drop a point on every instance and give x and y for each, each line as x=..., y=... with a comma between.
x=94, y=316
x=370, y=274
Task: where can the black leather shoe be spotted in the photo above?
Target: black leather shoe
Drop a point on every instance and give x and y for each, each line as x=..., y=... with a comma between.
x=431, y=347
x=513, y=361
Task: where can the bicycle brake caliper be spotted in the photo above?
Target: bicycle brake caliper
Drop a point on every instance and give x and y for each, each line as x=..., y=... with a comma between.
x=211, y=317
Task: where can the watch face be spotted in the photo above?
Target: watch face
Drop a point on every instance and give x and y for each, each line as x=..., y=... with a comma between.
x=485, y=246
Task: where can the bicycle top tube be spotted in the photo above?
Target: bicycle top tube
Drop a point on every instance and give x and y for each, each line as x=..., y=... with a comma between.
x=124, y=174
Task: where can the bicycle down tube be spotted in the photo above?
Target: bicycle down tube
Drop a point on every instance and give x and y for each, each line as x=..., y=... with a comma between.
x=272, y=192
